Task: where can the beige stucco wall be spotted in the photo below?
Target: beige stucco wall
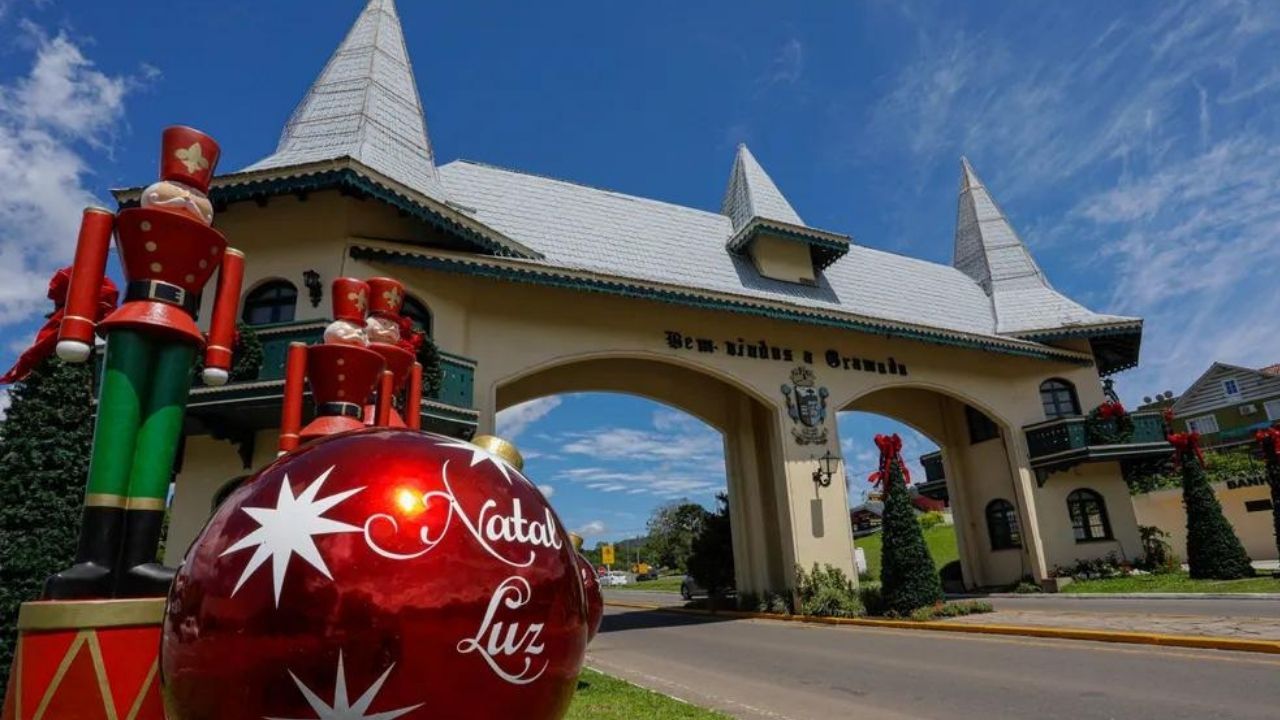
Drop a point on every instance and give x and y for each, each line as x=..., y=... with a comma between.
x=531, y=339
x=1061, y=548
x=783, y=259
x=1164, y=510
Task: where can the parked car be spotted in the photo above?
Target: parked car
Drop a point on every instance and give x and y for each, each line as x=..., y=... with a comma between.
x=644, y=576
x=689, y=588
x=617, y=577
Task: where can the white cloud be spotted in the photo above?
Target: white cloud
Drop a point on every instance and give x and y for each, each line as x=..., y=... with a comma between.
x=787, y=65
x=62, y=105
x=1150, y=155
x=517, y=418
x=594, y=528
x=547, y=491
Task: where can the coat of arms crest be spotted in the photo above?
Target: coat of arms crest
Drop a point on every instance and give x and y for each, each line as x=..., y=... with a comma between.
x=807, y=406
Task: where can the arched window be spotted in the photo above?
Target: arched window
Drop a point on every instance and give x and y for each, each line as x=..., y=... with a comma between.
x=1088, y=516
x=270, y=302
x=417, y=311
x=1059, y=398
x=1002, y=525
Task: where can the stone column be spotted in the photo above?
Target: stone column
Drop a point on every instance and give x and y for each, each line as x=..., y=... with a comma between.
x=820, y=531
x=1024, y=486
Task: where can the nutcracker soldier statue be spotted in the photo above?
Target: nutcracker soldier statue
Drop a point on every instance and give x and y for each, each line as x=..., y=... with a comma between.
x=385, y=330
x=168, y=252
x=342, y=372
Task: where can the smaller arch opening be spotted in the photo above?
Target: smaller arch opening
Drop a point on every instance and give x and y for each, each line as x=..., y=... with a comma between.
x=274, y=301
x=1089, y=518
x=1059, y=398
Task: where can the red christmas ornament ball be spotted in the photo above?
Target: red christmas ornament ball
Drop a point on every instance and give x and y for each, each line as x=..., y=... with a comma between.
x=378, y=574
x=595, y=597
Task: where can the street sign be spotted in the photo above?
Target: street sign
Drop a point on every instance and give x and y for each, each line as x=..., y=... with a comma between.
x=606, y=554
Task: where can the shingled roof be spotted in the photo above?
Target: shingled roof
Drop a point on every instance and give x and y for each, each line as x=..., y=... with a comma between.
x=365, y=106
x=364, y=111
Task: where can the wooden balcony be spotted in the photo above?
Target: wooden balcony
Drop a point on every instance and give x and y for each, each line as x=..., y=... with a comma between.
x=238, y=410
x=1062, y=443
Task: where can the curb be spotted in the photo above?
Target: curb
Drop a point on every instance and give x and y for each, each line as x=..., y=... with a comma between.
x=1201, y=642
x=1122, y=596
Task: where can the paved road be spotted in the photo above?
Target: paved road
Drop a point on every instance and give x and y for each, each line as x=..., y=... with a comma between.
x=1239, y=608
x=761, y=669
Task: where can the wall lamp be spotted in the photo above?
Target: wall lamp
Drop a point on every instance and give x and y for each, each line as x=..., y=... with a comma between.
x=827, y=465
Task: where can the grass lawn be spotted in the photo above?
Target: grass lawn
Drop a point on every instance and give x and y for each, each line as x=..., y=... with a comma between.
x=1174, y=583
x=601, y=697
x=669, y=583
x=941, y=540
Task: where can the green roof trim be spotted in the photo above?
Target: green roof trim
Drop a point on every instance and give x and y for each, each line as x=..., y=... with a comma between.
x=350, y=179
x=1115, y=347
x=688, y=299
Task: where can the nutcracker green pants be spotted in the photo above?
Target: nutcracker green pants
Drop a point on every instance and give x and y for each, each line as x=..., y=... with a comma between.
x=141, y=405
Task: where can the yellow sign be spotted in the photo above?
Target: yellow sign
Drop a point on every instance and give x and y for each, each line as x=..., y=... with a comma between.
x=606, y=554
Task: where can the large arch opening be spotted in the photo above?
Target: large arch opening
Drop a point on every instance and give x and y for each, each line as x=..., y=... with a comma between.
x=961, y=454
x=688, y=403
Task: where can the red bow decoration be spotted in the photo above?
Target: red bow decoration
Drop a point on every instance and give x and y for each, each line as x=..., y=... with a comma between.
x=47, y=338
x=1111, y=409
x=1269, y=439
x=890, y=452
x=411, y=338
x=1183, y=444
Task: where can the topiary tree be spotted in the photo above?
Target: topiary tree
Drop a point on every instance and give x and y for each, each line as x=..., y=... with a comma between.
x=44, y=458
x=1269, y=439
x=1213, y=550
x=908, y=578
x=711, y=553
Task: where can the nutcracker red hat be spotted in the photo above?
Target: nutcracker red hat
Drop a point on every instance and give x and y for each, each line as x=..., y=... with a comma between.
x=188, y=156
x=350, y=300
x=342, y=377
x=386, y=297
x=168, y=258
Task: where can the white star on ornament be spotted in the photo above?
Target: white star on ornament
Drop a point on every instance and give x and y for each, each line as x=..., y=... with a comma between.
x=479, y=455
x=342, y=709
x=289, y=529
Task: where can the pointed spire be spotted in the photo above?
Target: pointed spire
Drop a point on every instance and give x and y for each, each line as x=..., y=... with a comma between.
x=987, y=248
x=364, y=105
x=752, y=194
x=989, y=251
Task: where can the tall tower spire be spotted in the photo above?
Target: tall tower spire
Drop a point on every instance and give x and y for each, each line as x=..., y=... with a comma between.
x=365, y=106
x=988, y=250
x=752, y=194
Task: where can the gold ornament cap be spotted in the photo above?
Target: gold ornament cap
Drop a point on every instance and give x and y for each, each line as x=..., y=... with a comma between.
x=576, y=539
x=502, y=448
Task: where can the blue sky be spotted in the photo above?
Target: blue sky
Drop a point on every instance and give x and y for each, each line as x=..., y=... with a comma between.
x=1134, y=145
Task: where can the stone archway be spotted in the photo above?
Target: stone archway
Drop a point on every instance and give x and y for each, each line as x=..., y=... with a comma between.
x=753, y=459
x=979, y=467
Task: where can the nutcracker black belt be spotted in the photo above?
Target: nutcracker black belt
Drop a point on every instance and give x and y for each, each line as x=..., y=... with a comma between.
x=344, y=409
x=160, y=291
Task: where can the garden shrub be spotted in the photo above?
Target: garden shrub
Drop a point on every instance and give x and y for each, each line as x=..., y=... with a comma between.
x=827, y=592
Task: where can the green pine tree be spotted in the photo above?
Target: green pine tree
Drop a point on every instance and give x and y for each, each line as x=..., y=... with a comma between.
x=909, y=580
x=1213, y=550
x=44, y=459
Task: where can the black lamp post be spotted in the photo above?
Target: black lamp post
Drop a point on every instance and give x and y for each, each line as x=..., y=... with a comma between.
x=826, y=469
